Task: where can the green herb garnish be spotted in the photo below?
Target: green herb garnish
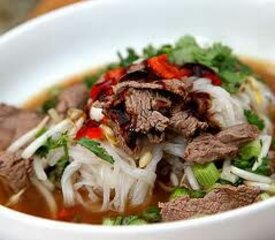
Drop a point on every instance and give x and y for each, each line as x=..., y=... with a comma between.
x=131, y=57
x=254, y=119
x=217, y=57
x=151, y=214
x=52, y=101
x=96, y=148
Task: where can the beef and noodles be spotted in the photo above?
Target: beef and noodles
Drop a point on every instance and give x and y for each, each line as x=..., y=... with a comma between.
x=175, y=132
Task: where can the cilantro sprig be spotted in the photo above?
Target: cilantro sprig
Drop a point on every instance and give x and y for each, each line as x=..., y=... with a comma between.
x=96, y=148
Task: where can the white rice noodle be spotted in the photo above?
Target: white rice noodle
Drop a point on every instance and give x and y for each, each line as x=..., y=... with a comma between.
x=54, y=131
x=38, y=168
x=226, y=172
x=48, y=196
x=250, y=176
x=126, y=182
x=226, y=110
x=262, y=186
x=174, y=179
x=266, y=143
x=191, y=178
x=142, y=189
x=67, y=184
x=27, y=137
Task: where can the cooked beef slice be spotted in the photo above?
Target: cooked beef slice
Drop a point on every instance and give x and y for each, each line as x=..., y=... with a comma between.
x=136, y=72
x=14, y=170
x=14, y=122
x=186, y=124
x=239, y=134
x=218, y=200
x=207, y=148
x=171, y=86
x=74, y=96
x=143, y=118
x=148, y=108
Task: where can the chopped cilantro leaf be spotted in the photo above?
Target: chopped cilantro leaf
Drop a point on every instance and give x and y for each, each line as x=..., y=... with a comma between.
x=254, y=119
x=96, y=148
x=129, y=59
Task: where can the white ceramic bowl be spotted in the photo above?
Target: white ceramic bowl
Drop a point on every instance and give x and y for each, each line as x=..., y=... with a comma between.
x=80, y=37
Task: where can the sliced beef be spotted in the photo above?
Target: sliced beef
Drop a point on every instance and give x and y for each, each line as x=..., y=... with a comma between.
x=14, y=122
x=172, y=86
x=218, y=200
x=143, y=118
x=239, y=134
x=137, y=72
x=186, y=124
x=74, y=96
x=207, y=148
x=14, y=170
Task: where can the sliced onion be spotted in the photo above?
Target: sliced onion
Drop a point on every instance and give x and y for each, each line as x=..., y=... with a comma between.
x=54, y=115
x=191, y=178
x=250, y=176
x=61, y=127
x=14, y=199
x=27, y=137
x=263, y=186
x=226, y=172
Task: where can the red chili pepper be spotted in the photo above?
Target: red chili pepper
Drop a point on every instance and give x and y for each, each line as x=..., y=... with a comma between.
x=164, y=69
x=66, y=214
x=101, y=88
x=114, y=74
x=214, y=78
x=105, y=88
x=90, y=132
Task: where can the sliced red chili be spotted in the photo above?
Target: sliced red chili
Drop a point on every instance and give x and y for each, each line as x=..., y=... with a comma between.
x=162, y=68
x=66, y=214
x=214, y=78
x=90, y=132
x=114, y=74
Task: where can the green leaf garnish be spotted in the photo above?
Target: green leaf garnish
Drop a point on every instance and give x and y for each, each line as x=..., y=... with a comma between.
x=96, y=148
x=254, y=119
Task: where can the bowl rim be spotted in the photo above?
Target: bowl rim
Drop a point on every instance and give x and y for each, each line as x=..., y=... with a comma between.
x=92, y=228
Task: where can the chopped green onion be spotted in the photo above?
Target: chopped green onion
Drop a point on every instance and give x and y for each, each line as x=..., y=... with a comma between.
x=252, y=149
x=120, y=220
x=151, y=214
x=179, y=192
x=206, y=174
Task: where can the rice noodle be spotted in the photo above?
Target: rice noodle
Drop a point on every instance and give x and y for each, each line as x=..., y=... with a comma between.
x=48, y=196
x=27, y=137
x=266, y=142
x=39, y=169
x=67, y=185
x=226, y=110
x=250, y=176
